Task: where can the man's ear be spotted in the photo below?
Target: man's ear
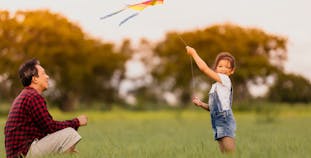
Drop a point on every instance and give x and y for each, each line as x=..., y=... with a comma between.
x=34, y=79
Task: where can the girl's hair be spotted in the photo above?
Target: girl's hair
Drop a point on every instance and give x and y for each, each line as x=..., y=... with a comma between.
x=225, y=56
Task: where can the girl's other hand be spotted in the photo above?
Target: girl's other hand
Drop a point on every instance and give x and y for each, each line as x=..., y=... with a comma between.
x=196, y=101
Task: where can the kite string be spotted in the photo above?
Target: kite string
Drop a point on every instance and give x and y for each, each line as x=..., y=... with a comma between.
x=183, y=41
x=192, y=75
x=191, y=66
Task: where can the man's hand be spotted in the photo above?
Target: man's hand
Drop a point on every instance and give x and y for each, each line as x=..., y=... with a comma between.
x=82, y=120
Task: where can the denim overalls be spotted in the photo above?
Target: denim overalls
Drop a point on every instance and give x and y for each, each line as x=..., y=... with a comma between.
x=223, y=122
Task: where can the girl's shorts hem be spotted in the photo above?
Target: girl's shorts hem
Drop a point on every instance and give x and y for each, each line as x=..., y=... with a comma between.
x=221, y=135
x=223, y=124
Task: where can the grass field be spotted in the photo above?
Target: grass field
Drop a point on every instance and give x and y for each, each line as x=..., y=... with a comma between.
x=171, y=134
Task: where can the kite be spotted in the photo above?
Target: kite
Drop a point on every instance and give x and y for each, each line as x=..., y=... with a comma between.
x=137, y=7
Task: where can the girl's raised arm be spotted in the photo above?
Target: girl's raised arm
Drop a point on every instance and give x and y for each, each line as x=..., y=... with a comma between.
x=202, y=65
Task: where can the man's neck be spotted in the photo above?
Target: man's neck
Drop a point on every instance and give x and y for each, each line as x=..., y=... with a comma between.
x=36, y=88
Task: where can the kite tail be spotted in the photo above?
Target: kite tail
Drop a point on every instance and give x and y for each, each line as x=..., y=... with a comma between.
x=109, y=15
x=128, y=18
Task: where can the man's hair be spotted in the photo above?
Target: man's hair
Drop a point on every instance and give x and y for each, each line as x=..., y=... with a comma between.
x=225, y=56
x=27, y=71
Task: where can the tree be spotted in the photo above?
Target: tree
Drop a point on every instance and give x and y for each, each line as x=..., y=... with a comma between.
x=258, y=55
x=290, y=88
x=80, y=67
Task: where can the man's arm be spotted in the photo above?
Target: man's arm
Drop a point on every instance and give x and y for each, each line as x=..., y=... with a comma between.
x=43, y=119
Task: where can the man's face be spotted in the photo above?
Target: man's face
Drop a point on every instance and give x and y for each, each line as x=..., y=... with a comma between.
x=42, y=80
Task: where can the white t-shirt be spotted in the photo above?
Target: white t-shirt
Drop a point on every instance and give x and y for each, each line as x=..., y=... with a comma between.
x=223, y=90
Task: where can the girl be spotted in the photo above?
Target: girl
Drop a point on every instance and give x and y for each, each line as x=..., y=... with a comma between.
x=220, y=98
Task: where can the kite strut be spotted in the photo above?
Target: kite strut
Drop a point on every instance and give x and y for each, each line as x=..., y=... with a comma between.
x=137, y=7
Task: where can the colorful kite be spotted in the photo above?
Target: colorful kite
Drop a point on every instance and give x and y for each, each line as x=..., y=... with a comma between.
x=137, y=7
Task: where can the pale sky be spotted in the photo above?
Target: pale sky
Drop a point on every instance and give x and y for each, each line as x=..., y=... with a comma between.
x=289, y=18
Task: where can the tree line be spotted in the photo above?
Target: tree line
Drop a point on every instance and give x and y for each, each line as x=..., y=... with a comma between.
x=84, y=70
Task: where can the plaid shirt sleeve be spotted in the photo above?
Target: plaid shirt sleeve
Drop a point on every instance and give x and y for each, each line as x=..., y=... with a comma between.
x=44, y=120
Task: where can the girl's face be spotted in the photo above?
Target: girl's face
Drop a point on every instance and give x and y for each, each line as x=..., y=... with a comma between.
x=224, y=67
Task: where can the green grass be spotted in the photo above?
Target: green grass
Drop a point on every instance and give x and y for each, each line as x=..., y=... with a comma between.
x=188, y=133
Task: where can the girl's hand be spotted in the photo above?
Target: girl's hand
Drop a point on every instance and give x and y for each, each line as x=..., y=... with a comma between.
x=197, y=101
x=191, y=51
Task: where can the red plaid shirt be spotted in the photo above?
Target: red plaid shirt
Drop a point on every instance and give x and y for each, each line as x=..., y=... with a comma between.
x=29, y=119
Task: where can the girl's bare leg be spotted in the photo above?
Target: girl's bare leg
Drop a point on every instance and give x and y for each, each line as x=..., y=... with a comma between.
x=226, y=145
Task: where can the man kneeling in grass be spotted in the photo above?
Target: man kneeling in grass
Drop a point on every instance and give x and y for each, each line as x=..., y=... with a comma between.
x=30, y=130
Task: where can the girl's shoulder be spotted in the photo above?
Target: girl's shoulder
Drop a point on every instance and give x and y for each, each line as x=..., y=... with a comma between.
x=225, y=80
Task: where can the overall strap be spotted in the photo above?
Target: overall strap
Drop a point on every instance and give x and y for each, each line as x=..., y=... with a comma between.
x=231, y=96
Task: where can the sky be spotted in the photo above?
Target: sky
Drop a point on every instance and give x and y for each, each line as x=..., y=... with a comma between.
x=288, y=18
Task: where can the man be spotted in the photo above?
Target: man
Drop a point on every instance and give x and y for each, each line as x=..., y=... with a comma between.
x=30, y=130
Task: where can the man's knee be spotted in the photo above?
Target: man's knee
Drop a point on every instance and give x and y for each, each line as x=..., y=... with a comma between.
x=67, y=130
x=70, y=132
x=70, y=137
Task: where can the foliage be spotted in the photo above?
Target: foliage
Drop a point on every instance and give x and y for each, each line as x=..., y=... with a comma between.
x=81, y=67
x=84, y=69
x=290, y=88
x=258, y=55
